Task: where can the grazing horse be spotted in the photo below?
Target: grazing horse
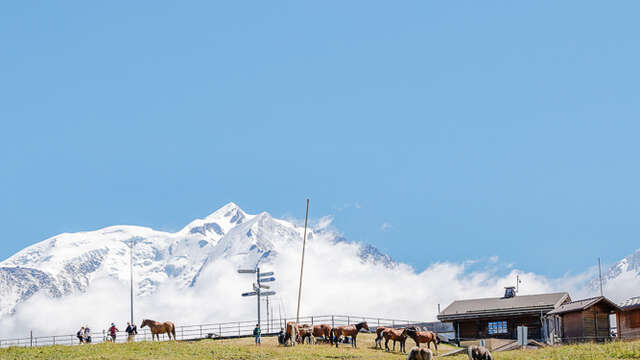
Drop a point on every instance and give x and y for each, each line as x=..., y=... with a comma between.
x=379, y=331
x=479, y=353
x=158, y=328
x=349, y=330
x=399, y=335
x=416, y=353
x=426, y=337
x=323, y=330
x=305, y=331
x=292, y=333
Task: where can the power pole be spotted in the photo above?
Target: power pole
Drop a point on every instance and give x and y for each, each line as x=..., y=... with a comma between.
x=131, y=273
x=304, y=243
x=600, y=276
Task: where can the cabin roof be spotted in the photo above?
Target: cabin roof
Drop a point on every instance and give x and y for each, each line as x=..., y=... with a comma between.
x=501, y=306
x=630, y=303
x=580, y=305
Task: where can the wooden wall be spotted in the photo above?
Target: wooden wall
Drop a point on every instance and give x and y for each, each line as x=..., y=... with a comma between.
x=628, y=324
x=572, y=325
x=596, y=322
x=479, y=329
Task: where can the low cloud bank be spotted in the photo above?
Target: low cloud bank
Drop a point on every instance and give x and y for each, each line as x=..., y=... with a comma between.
x=336, y=281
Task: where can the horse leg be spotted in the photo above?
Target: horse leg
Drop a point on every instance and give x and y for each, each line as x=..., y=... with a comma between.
x=435, y=344
x=353, y=343
x=386, y=344
x=394, y=345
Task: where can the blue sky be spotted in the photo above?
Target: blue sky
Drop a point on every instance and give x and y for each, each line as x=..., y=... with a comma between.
x=436, y=131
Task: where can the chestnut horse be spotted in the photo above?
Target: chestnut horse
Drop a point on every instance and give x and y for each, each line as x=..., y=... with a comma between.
x=158, y=328
x=349, y=330
x=292, y=333
x=426, y=337
x=305, y=331
x=323, y=330
x=379, y=331
x=399, y=335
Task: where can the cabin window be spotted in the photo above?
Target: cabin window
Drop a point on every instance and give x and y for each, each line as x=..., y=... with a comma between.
x=498, y=327
x=635, y=318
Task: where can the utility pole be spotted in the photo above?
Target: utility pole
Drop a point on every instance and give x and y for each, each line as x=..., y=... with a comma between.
x=600, y=276
x=258, y=291
x=304, y=243
x=131, y=273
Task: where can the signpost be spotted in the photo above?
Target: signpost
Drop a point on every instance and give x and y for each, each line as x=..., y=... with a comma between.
x=257, y=291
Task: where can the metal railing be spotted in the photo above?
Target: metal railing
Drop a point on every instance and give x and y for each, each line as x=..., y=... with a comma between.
x=223, y=330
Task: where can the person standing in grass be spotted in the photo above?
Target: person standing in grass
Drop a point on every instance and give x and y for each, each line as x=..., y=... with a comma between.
x=256, y=334
x=113, y=330
x=80, y=335
x=131, y=332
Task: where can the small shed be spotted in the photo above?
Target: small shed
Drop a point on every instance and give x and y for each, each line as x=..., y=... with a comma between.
x=628, y=319
x=584, y=320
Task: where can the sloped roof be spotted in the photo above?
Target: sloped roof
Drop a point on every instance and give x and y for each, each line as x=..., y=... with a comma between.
x=630, y=303
x=521, y=304
x=583, y=304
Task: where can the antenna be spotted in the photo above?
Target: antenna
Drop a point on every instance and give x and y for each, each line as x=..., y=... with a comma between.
x=600, y=276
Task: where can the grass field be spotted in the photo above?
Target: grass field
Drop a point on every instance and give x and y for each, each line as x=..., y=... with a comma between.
x=244, y=349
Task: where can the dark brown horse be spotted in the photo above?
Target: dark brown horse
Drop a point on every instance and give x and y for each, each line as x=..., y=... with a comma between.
x=323, y=330
x=479, y=353
x=349, y=330
x=399, y=335
x=158, y=328
x=426, y=337
x=417, y=353
x=292, y=333
x=379, y=331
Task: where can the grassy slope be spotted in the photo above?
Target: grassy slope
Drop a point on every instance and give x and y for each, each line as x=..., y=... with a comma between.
x=244, y=349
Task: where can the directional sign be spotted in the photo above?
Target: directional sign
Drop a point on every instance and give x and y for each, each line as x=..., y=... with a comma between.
x=245, y=271
x=267, y=279
x=267, y=293
x=266, y=274
x=253, y=293
x=265, y=286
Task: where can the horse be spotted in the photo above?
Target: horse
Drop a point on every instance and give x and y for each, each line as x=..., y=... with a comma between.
x=292, y=333
x=379, y=331
x=349, y=330
x=479, y=353
x=399, y=335
x=323, y=330
x=305, y=331
x=417, y=353
x=158, y=328
x=426, y=337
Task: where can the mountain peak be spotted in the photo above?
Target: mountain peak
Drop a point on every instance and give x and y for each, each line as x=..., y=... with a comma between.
x=229, y=210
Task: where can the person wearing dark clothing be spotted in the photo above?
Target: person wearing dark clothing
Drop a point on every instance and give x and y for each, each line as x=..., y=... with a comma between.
x=113, y=331
x=132, y=331
x=281, y=337
x=80, y=335
x=256, y=334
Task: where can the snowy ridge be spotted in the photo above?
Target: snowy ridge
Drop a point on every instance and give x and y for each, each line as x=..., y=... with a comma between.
x=68, y=263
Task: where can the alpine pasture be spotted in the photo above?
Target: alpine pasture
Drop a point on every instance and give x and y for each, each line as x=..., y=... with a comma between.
x=245, y=349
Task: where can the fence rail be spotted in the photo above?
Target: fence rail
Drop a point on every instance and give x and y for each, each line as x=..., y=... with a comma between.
x=224, y=330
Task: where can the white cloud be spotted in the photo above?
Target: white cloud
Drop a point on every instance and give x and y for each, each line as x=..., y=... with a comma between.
x=494, y=259
x=386, y=226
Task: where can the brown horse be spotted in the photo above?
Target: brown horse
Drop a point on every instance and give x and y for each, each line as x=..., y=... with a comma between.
x=479, y=353
x=379, y=331
x=417, y=353
x=349, y=330
x=158, y=328
x=305, y=331
x=426, y=337
x=399, y=335
x=292, y=333
x=323, y=330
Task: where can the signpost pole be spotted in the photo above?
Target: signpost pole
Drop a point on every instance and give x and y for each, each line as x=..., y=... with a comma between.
x=258, y=292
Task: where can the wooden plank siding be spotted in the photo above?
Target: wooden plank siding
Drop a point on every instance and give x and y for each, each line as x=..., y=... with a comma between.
x=629, y=324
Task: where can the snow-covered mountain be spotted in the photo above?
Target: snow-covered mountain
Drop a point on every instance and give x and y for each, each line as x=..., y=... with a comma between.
x=630, y=263
x=69, y=263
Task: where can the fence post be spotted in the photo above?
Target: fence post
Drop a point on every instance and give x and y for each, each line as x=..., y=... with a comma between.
x=393, y=324
x=378, y=322
x=181, y=332
x=238, y=329
x=201, y=331
x=312, y=320
x=220, y=330
x=348, y=320
x=54, y=340
x=332, y=322
x=31, y=338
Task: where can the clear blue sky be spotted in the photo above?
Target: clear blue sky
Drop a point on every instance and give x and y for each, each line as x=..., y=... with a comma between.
x=470, y=129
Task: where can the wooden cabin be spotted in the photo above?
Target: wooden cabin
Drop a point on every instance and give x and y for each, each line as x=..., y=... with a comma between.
x=499, y=317
x=628, y=319
x=584, y=320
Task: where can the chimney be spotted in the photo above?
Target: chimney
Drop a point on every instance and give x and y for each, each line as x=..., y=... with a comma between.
x=509, y=292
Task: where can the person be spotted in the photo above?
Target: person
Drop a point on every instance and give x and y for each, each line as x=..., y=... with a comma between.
x=87, y=334
x=256, y=334
x=80, y=335
x=113, y=330
x=281, y=336
x=132, y=331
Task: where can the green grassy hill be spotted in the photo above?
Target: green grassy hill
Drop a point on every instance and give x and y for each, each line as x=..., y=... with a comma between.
x=244, y=349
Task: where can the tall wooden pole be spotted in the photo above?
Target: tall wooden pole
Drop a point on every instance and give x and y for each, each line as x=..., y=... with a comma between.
x=600, y=276
x=304, y=243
